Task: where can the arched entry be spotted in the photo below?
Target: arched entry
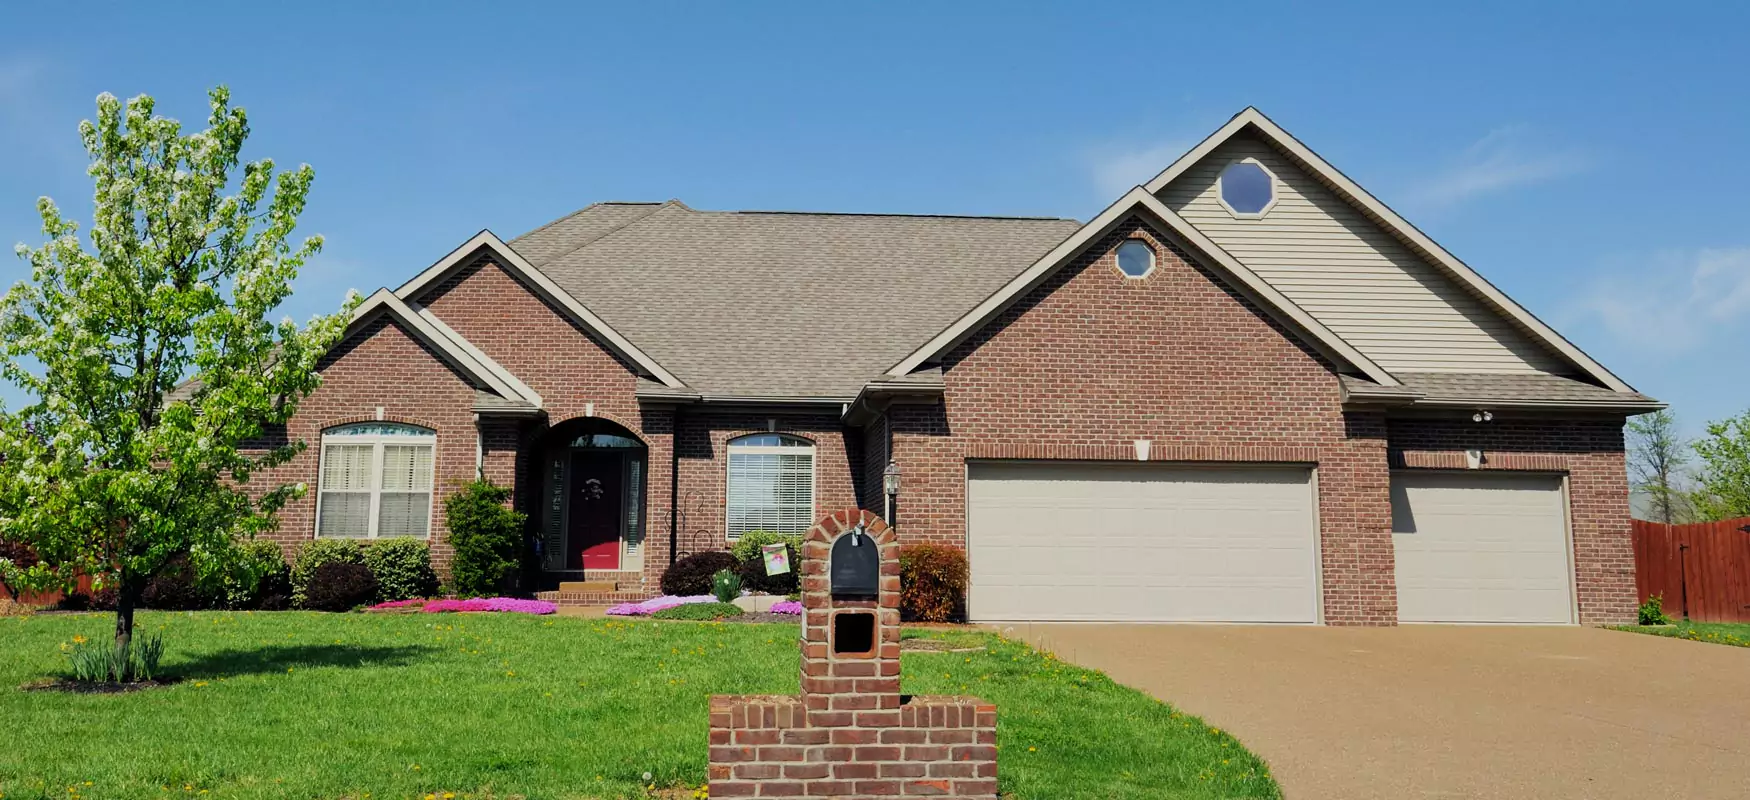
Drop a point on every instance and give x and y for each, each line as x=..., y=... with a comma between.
x=592, y=506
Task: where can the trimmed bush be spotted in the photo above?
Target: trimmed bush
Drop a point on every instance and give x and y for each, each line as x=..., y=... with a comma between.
x=402, y=568
x=178, y=587
x=932, y=581
x=748, y=545
x=339, y=586
x=692, y=575
x=259, y=579
x=754, y=577
x=699, y=611
x=314, y=554
x=487, y=538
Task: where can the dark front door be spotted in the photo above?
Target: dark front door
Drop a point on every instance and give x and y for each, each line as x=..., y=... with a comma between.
x=598, y=506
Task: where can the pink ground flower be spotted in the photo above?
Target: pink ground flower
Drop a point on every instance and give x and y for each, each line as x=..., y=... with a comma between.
x=656, y=604
x=511, y=605
x=787, y=607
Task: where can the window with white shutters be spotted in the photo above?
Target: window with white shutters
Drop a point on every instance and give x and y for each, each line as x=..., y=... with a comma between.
x=375, y=481
x=771, y=485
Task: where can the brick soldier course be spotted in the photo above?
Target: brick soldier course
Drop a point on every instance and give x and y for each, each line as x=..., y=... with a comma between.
x=850, y=733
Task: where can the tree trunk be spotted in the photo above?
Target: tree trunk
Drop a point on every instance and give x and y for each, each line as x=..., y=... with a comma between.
x=124, y=626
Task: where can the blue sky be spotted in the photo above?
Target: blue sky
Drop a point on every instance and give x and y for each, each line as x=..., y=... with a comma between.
x=1587, y=158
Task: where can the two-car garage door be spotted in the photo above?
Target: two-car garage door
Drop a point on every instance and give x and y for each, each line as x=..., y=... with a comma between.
x=1141, y=542
x=1154, y=542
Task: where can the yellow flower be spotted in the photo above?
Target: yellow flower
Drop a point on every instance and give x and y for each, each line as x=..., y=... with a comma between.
x=77, y=639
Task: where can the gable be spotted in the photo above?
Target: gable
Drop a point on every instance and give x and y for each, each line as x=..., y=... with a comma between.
x=565, y=363
x=1353, y=275
x=1180, y=348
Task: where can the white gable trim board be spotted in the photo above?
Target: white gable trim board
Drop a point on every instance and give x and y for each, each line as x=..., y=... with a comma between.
x=446, y=343
x=1255, y=120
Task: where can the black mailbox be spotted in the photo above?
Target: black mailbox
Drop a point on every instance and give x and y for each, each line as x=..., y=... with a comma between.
x=856, y=567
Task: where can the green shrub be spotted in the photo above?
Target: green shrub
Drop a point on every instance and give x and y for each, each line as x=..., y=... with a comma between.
x=402, y=568
x=692, y=575
x=753, y=562
x=486, y=536
x=101, y=662
x=313, y=555
x=725, y=585
x=748, y=545
x=1652, y=612
x=754, y=577
x=259, y=578
x=340, y=586
x=932, y=581
x=699, y=611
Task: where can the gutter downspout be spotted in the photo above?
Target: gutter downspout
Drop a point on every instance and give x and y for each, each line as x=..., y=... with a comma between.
x=479, y=449
x=674, y=483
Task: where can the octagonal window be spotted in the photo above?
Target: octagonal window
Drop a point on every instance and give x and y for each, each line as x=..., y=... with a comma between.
x=1135, y=258
x=1247, y=189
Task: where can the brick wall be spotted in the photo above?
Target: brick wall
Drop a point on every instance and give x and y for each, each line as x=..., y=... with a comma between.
x=704, y=465
x=850, y=734
x=1588, y=451
x=383, y=366
x=1090, y=361
x=573, y=372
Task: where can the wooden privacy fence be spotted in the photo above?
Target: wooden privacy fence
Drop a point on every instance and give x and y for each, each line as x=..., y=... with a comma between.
x=1701, y=570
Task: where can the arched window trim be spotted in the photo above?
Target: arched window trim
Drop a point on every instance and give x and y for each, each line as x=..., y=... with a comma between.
x=364, y=464
x=778, y=459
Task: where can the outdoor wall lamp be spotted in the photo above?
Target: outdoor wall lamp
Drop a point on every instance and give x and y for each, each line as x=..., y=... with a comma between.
x=890, y=482
x=1482, y=416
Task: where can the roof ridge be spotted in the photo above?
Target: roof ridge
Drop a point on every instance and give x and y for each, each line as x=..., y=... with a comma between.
x=526, y=234
x=656, y=207
x=994, y=217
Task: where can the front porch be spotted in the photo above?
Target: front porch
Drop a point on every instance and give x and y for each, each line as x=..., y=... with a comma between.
x=590, y=512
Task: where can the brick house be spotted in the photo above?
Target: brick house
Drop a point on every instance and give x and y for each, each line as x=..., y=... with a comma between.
x=1245, y=391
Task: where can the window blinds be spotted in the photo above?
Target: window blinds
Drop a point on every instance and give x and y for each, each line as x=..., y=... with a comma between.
x=770, y=492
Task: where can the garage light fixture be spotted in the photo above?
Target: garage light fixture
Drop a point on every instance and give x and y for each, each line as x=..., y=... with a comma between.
x=1482, y=416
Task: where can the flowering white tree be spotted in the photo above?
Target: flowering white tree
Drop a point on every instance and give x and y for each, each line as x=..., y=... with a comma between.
x=102, y=471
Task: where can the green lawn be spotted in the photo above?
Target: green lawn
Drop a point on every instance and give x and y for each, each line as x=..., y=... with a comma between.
x=305, y=705
x=1730, y=633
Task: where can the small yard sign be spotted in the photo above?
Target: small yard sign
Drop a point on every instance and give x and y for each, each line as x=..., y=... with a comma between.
x=777, y=558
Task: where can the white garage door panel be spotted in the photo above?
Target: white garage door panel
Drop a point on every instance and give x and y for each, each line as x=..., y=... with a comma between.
x=1477, y=547
x=1141, y=542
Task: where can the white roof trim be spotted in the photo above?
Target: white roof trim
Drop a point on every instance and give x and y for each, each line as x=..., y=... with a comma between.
x=523, y=389
x=1252, y=117
x=544, y=286
x=462, y=357
x=1139, y=199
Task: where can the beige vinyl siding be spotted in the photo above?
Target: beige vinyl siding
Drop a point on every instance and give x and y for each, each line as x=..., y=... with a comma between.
x=1351, y=275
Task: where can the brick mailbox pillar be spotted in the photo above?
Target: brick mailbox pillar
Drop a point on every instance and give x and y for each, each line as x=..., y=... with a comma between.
x=851, y=734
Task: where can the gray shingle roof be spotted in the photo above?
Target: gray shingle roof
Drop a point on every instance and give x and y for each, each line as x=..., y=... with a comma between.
x=1486, y=388
x=779, y=304
x=1512, y=386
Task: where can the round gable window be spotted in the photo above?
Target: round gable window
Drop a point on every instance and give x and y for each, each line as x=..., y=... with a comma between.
x=1247, y=189
x=1135, y=258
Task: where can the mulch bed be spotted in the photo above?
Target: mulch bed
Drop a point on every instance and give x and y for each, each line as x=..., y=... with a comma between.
x=72, y=687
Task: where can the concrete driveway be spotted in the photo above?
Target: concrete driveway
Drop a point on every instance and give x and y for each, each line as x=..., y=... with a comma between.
x=1448, y=711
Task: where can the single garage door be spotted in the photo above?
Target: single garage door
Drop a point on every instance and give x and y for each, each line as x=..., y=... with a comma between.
x=1481, y=547
x=1141, y=542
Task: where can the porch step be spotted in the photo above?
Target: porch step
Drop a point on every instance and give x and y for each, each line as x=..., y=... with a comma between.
x=612, y=597
x=576, y=587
